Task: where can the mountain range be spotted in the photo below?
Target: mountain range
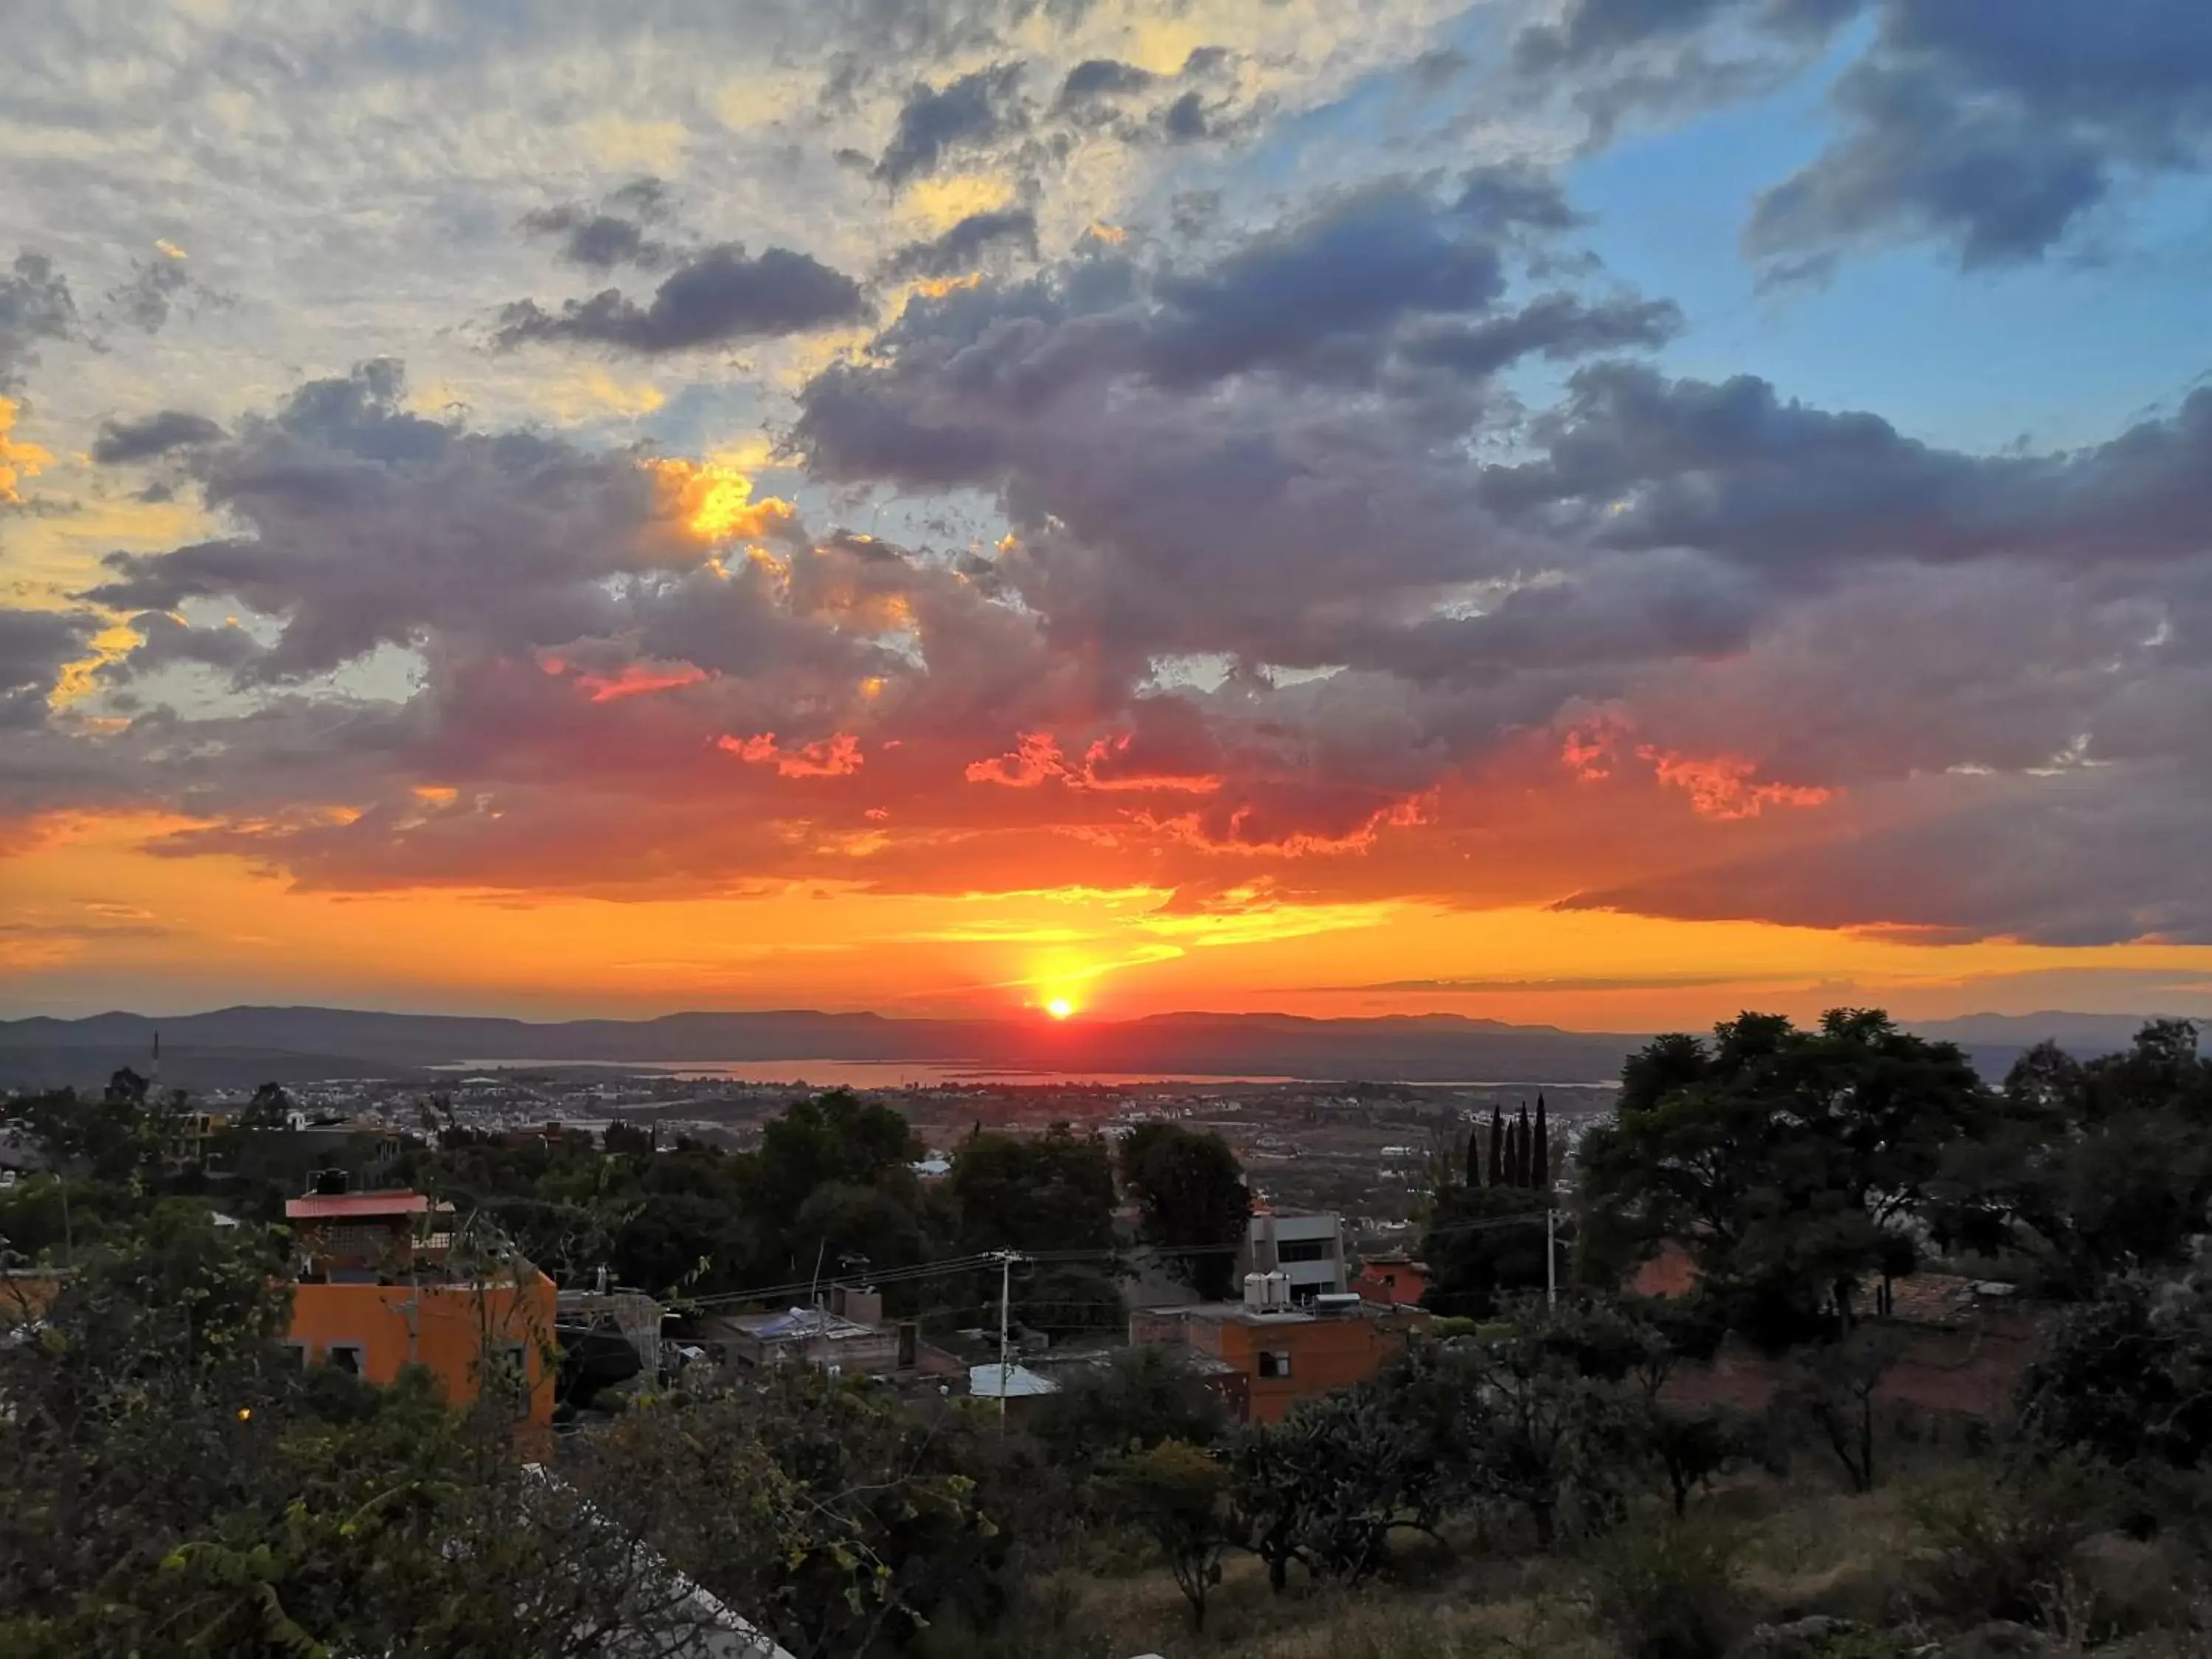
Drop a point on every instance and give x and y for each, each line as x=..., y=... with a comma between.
x=239, y=1047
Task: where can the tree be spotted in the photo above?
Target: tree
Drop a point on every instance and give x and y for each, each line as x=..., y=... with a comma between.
x=1191, y=1196
x=1053, y=1193
x=1496, y=1145
x=269, y=1108
x=1130, y=1401
x=1834, y=1389
x=1518, y=1421
x=1783, y=1160
x=1540, y=1153
x=1478, y=1254
x=1474, y=1159
x=2128, y=1377
x=623, y=1140
x=1173, y=1494
x=2094, y=1169
x=1330, y=1483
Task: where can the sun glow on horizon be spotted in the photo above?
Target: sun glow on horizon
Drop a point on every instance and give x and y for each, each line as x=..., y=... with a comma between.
x=1059, y=1007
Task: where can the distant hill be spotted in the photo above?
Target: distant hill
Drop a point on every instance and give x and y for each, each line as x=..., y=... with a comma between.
x=235, y=1047
x=294, y=1042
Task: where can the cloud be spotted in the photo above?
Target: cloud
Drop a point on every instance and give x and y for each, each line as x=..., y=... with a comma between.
x=35, y=308
x=964, y=246
x=1997, y=129
x=34, y=648
x=973, y=112
x=1103, y=77
x=120, y=443
x=144, y=301
x=1634, y=459
x=1581, y=983
x=1558, y=326
x=18, y=460
x=2068, y=861
x=617, y=232
x=717, y=297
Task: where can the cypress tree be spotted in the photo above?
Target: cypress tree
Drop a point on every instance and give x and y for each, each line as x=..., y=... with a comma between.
x=1523, y=1173
x=1496, y=1145
x=1541, y=1156
x=1510, y=1174
x=1474, y=1157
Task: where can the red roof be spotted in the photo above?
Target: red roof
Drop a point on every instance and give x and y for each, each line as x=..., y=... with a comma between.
x=338, y=1206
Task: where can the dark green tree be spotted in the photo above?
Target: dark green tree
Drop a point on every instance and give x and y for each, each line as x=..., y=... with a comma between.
x=1191, y=1197
x=1477, y=1254
x=1539, y=1159
x=1053, y=1193
x=1783, y=1160
x=1496, y=1146
x=1130, y=1399
x=1175, y=1495
x=269, y=1108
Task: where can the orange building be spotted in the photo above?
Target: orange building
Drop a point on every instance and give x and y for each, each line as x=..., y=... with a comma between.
x=1284, y=1354
x=1393, y=1279
x=380, y=1287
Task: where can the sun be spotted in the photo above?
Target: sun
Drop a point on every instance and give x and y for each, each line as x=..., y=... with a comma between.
x=1059, y=1007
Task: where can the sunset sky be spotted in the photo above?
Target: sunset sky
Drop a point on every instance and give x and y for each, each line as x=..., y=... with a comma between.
x=1604, y=511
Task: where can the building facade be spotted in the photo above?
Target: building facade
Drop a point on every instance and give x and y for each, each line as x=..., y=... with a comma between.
x=1306, y=1247
x=1281, y=1356
x=379, y=1285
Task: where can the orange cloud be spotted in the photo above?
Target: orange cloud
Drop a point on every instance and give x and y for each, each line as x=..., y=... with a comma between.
x=18, y=461
x=636, y=679
x=834, y=757
x=1035, y=758
x=1722, y=787
x=712, y=502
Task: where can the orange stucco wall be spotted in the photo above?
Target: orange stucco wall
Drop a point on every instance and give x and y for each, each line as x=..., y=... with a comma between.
x=447, y=1328
x=1329, y=1353
x=1393, y=1284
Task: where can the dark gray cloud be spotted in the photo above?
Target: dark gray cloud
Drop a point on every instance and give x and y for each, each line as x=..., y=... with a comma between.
x=1558, y=326
x=717, y=297
x=34, y=646
x=1334, y=280
x=365, y=526
x=2085, y=858
x=120, y=443
x=974, y=111
x=1994, y=128
x=1634, y=459
x=963, y=246
x=166, y=641
x=1997, y=128
x=144, y=301
x=1595, y=31
x=1103, y=77
x=620, y=231
x=35, y=307
x=1185, y=120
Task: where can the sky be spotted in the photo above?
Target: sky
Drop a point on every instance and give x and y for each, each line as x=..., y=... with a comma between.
x=1595, y=511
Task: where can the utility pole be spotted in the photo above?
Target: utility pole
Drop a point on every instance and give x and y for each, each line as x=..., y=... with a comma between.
x=1551, y=1261
x=1005, y=1286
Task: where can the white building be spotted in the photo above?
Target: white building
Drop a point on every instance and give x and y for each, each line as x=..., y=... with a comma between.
x=1307, y=1250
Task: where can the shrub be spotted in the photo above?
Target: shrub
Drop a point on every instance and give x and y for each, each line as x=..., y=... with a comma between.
x=2001, y=1546
x=1668, y=1591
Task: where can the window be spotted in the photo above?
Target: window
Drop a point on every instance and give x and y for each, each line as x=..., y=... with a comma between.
x=346, y=1357
x=1304, y=1249
x=1275, y=1364
x=295, y=1355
